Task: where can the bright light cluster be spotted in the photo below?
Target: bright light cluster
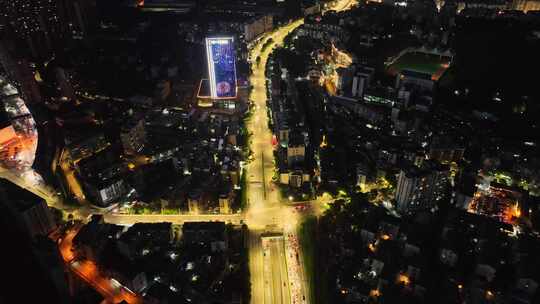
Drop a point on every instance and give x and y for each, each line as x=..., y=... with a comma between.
x=221, y=67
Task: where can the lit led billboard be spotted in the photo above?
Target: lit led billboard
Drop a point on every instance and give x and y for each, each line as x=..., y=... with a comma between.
x=221, y=67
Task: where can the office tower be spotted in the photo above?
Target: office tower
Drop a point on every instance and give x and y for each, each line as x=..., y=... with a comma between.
x=221, y=67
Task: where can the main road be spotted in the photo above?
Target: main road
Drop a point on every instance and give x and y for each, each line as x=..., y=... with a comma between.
x=264, y=202
x=276, y=277
x=265, y=206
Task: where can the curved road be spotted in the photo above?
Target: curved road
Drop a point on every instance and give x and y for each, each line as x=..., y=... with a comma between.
x=109, y=288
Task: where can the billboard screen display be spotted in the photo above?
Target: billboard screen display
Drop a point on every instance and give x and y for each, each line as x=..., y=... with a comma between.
x=221, y=67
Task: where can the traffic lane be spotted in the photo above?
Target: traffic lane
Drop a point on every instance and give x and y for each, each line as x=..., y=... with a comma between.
x=276, y=275
x=268, y=278
x=256, y=267
x=279, y=261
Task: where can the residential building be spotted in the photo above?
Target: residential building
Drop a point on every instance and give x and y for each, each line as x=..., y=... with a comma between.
x=102, y=176
x=418, y=79
x=363, y=175
x=257, y=26
x=324, y=31
x=225, y=203
x=194, y=202
x=92, y=238
x=296, y=150
x=296, y=179
x=373, y=113
x=421, y=188
x=212, y=233
x=445, y=150
x=354, y=80
x=133, y=136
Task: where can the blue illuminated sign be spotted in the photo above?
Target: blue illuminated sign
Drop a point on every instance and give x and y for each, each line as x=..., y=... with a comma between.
x=221, y=67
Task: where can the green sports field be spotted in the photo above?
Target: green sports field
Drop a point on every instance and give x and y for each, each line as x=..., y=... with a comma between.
x=420, y=62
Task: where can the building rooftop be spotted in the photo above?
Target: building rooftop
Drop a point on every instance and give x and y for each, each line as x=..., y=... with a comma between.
x=97, y=165
x=96, y=232
x=203, y=231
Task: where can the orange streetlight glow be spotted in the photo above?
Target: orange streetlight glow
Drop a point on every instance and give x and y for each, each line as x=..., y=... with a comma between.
x=404, y=279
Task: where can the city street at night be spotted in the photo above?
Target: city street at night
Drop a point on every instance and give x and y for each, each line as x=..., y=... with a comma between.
x=270, y=151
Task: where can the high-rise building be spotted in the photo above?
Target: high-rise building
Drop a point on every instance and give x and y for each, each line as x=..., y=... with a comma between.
x=102, y=177
x=221, y=67
x=421, y=188
x=133, y=136
x=30, y=210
